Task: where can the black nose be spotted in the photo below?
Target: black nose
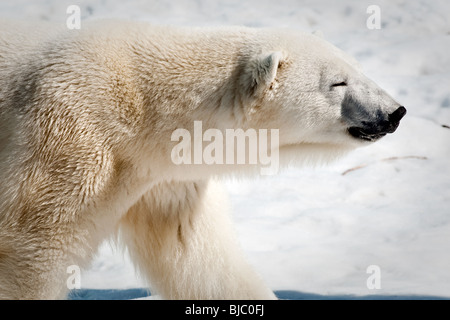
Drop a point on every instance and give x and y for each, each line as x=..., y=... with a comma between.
x=372, y=131
x=397, y=115
x=394, y=119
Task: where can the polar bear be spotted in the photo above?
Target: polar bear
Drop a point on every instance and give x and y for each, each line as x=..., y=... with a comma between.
x=87, y=119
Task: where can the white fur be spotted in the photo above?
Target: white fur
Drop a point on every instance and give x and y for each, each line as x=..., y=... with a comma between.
x=86, y=119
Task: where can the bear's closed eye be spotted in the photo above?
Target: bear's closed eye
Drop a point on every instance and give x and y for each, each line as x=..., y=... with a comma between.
x=339, y=84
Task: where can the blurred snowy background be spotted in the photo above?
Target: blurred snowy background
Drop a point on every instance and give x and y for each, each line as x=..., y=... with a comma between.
x=318, y=229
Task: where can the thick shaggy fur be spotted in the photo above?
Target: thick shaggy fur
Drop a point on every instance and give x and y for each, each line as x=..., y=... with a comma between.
x=86, y=119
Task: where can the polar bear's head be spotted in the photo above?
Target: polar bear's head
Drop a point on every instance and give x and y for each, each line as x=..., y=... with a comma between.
x=316, y=94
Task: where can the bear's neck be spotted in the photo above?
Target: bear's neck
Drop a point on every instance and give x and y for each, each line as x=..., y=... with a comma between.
x=185, y=71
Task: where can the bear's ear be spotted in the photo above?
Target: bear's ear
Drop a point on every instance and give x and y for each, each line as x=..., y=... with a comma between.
x=262, y=72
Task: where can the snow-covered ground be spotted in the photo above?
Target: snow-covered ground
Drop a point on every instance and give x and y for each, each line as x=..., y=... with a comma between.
x=317, y=229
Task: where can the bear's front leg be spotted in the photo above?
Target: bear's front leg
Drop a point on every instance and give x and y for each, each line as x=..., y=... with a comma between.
x=180, y=237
